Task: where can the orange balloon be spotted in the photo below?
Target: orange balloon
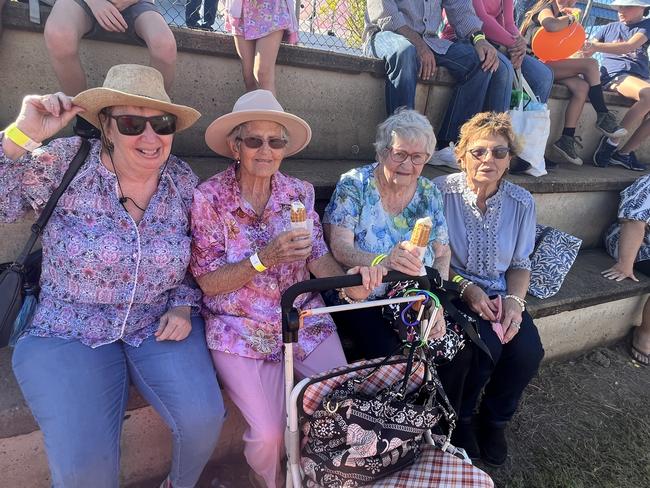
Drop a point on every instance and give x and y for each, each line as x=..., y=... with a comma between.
x=553, y=46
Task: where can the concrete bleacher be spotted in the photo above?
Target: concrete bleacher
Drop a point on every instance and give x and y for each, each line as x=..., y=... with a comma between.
x=342, y=98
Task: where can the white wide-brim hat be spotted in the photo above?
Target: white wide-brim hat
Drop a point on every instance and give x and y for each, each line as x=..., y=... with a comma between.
x=631, y=3
x=257, y=105
x=136, y=85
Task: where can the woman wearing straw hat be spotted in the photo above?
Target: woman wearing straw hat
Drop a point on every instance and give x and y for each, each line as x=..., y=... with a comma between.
x=245, y=254
x=116, y=299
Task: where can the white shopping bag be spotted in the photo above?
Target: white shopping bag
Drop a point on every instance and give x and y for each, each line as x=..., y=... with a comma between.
x=532, y=127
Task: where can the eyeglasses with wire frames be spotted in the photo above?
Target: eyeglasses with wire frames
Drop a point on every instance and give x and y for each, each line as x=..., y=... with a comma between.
x=134, y=125
x=498, y=152
x=253, y=142
x=418, y=159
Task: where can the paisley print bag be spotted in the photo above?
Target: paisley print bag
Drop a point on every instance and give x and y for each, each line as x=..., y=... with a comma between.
x=554, y=254
x=355, y=439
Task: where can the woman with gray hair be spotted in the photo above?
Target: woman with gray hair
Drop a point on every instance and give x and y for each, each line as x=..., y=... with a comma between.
x=369, y=221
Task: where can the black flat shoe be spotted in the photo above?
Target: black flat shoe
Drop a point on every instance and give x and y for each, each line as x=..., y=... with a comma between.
x=493, y=445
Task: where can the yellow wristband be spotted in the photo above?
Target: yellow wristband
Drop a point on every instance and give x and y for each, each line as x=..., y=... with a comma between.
x=378, y=259
x=257, y=264
x=457, y=279
x=576, y=14
x=18, y=137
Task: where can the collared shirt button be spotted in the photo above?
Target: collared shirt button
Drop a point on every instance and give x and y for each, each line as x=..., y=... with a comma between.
x=273, y=286
x=278, y=310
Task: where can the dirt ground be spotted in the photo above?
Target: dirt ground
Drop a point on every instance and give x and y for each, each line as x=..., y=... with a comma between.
x=582, y=423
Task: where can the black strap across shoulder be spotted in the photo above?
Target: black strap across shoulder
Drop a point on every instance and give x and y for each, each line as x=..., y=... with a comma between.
x=39, y=225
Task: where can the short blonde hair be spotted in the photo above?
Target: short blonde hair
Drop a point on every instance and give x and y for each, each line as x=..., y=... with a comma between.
x=486, y=124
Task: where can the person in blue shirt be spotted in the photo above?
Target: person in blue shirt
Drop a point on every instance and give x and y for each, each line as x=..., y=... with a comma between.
x=625, y=70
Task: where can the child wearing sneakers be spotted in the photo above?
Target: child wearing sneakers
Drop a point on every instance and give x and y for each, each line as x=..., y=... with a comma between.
x=624, y=69
x=580, y=75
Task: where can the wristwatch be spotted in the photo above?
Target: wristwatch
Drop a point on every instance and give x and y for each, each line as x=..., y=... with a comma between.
x=477, y=36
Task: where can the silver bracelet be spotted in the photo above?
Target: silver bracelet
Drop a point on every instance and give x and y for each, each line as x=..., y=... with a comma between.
x=519, y=300
x=463, y=286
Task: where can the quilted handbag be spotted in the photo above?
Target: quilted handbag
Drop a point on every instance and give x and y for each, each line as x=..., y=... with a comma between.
x=554, y=254
x=355, y=439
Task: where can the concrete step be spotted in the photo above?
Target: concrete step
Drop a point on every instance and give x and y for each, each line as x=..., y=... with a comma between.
x=580, y=200
x=588, y=311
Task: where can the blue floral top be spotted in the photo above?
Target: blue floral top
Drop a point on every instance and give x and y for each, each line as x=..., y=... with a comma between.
x=356, y=206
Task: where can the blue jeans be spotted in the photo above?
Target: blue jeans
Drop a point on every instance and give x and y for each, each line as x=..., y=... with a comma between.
x=78, y=396
x=193, y=13
x=515, y=364
x=537, y=74
x=476, y=90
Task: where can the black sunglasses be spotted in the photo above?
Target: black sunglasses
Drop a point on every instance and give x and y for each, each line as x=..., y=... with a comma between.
x=134, y=125
x=257, y=142
x=498, y=152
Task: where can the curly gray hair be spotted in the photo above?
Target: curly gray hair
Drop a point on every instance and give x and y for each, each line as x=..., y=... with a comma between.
x=406, y=124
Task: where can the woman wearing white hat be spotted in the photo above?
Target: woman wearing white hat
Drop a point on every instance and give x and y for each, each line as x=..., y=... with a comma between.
x=116, y=299
x=625, y=69
x=245, y=255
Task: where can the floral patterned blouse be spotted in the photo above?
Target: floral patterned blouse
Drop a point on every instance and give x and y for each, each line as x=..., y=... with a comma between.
x=104, y=278
x=226, y=229
x=356, y=206
x=635, y=205
x=485, y=246
x=254, y=19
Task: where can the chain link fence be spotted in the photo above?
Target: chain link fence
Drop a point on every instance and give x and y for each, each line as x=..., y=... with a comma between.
x=332, y=25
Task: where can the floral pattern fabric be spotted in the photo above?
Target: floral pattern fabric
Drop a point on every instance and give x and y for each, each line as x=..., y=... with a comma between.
x=226, y=229
x=356, y=206
x=254, y=19
x=634, y=205
x=485, y=246
x=104, y=277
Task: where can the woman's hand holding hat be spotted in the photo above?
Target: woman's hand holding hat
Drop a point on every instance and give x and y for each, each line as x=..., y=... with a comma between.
x=42, y=116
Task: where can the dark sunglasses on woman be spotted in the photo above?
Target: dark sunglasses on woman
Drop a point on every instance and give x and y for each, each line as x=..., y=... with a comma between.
x=134, y=125
x=257, y=142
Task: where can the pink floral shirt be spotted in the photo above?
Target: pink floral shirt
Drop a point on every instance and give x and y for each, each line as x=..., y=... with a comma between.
x=104, y=277
x=226, y=229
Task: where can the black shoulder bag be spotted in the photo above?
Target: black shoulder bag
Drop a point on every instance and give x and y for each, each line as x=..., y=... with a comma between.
x=19, y=279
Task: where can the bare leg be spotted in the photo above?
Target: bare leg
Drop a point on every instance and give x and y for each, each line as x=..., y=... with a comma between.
x=266, y=53
x=636, y=117
x=65, y=27
x=579, y=90
x=246, y=51
x=641, y=338
x=155, y=32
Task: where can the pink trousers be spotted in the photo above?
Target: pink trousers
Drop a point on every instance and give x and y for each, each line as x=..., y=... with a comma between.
x=257, y=388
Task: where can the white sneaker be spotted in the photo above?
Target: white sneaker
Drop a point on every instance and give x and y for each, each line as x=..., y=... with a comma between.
x=445, y=157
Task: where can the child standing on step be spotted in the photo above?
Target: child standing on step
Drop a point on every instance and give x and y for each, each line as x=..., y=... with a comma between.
x=258, y=28
x=624, y=69
x=580, y=75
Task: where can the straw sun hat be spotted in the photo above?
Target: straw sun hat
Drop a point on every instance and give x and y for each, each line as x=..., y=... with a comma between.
x=257, y=105
x=135, y=85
